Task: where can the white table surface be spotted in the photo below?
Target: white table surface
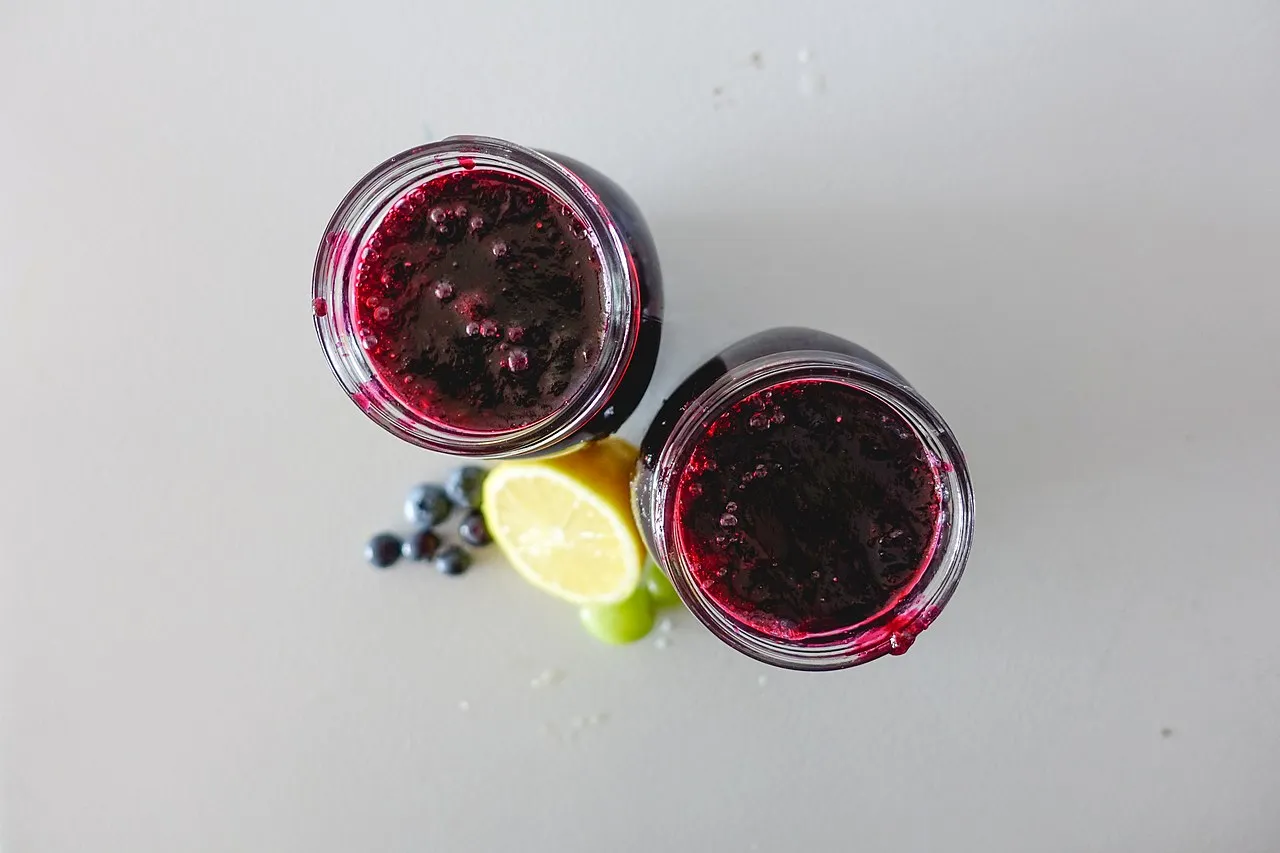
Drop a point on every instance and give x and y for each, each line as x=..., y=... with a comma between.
x=1060, y=220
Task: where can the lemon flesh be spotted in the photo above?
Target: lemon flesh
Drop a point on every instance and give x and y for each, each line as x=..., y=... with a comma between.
x=565, y=523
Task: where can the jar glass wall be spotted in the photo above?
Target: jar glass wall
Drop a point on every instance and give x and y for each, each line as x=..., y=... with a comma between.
x=479, y=298
x=809, y=506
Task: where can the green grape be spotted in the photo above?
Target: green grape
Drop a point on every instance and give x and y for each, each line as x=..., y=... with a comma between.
x=624, y=622
x=655, y=580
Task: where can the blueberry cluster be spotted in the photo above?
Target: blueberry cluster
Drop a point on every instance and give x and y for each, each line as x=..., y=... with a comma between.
x=426, y=507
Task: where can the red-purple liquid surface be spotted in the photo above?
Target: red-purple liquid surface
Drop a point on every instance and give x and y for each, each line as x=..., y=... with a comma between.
x=807, y=509
x=479, y=301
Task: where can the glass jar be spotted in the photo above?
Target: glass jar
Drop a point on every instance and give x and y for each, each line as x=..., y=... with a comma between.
x=808, y=505
x=478, y=298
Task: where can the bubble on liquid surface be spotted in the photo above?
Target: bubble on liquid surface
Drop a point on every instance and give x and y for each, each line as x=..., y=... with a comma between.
x=518, y=360
x=489, y=329
x=443, y=290
x=499, y=249
x=728, y=520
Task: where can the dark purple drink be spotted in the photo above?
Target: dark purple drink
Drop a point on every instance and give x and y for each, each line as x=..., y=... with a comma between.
x=480, y=302
x=808, y=506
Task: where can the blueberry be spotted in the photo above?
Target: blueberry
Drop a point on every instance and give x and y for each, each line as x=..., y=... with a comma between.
x=421, y=545
x=427, y=505
x=464, y=485
x=452, y=560
x=383, y=550
x=473, y=530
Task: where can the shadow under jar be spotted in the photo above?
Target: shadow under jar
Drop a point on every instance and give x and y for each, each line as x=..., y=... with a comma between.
x=478, y=298
x=809, y=506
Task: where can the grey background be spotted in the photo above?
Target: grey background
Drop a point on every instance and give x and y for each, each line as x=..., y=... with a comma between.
x=1060, y=220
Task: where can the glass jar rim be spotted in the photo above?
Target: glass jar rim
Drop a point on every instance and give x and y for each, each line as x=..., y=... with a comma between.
x=892, y=630
x=358, y=217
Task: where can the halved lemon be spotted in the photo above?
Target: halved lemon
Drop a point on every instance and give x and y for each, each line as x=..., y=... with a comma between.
x=565, y=523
